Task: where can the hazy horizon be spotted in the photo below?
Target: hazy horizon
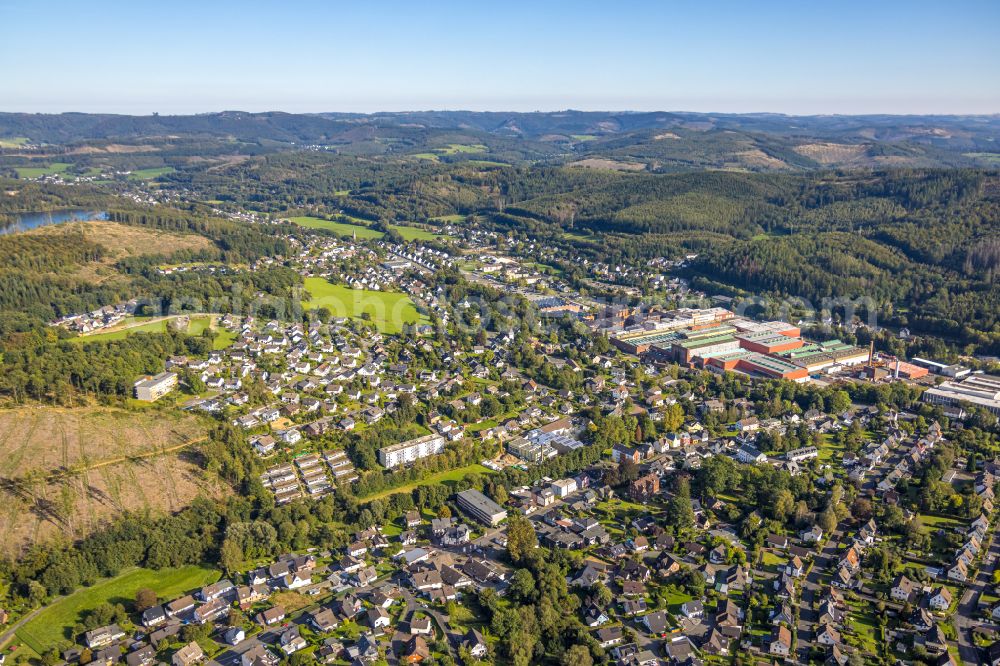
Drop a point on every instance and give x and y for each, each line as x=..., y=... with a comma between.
x=852, y=58
x=503, y=111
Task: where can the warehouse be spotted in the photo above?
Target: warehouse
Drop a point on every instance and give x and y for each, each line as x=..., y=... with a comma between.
x=977, y=390
x=767, y=342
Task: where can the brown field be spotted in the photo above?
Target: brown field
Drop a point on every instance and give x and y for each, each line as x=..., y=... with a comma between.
x=64, y=472
x=116, y=148
x=612, y=165
x=831, y=153
x=125, y=240
x=758, y=158
x=122, y=240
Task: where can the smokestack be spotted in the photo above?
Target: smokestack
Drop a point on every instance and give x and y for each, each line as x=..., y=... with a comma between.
x=871, y=354
x=897, y=368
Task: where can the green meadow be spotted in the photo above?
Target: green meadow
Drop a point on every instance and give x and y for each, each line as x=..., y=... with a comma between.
x=414, y=233
x=456, y=148
x=147, y=174
x=55, y=623
x=342, y=228
x=13, y=141
x=389, y=311
x=37, y=172
x=198, y=325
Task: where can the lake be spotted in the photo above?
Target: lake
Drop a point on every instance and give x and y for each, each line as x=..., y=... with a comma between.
x=25, y=221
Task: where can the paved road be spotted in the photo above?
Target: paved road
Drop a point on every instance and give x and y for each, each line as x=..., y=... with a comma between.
x=965, y=618
x=414, y=604
x=805, y=630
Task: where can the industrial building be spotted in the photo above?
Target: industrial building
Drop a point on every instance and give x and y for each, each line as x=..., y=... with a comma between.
x=718, y=340
x=481, y=507
x=976, y=390
x=151, y=389
x=410, y=451
x=943, y=369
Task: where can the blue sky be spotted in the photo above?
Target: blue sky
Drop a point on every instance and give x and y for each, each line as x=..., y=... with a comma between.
x=794, y=57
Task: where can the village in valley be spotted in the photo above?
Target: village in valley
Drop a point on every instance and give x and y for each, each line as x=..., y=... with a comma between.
x=714, y=487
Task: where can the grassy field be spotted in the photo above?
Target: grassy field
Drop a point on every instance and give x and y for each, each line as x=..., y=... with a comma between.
x=453, y=219
x=939, y=522
x=414, y=233
x=13, y=141
x=342, y=228
x=578, y=236
x=675, y=599
x=37, y=172
x=769, y=559
x=197, y=325
x=55, y=622
x=389, y=310
x=457, y=148
x=136, y=325
x=828, y=449
x=147, y=174
x=989, y=158
x=223, y=339
x=448, y=477
x=68, y=471
x=427, y=156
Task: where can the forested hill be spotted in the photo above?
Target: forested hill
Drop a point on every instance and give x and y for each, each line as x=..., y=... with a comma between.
x=655, y=141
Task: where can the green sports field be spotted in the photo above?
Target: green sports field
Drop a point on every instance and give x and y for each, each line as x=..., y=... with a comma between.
x=342, y=228
x=389, y=310
x=55, y=623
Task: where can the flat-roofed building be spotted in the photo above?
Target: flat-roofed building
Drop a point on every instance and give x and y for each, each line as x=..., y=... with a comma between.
x=410, y=451
x=151, y=389
x=481, y=507
x=767, y=342
x=976, y=390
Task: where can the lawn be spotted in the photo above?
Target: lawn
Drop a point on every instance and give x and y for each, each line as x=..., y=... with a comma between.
x=56, y=622
x=36, y=172
x=451, y=219
x=769, y=559
x=389, y=311
x=866, y=627
x=136, y=326
x=675, y=599
x=939, y=522
x=197, y=326
x=449, y=476
x=147, y=174
x=414, y=233
x=828, y=448
x=223, y=339
x=342, y=228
